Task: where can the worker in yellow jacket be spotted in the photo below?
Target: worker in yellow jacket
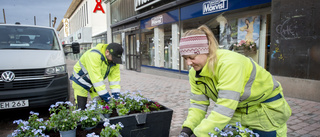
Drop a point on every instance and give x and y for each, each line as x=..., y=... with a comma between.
x=94, y=66
x=242, y=90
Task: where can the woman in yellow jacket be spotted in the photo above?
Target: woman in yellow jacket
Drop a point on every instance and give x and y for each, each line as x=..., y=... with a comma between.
x=242, y=90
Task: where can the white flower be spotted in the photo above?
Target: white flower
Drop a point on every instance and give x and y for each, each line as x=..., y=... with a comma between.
x=94, y=119
x=83, y=118
x=121, y=125
x=105, y=124
x=17, y=121
x=40, y=119
x=43, y=127
x=238, y=124
x=216, y=129
x=92, y=135
x=59, y=103
x=69, y=103
x=113, y=126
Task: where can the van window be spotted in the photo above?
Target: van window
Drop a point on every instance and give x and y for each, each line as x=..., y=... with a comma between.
x=29, y=38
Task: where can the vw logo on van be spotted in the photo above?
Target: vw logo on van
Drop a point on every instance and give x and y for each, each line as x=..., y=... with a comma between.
x=7, y=76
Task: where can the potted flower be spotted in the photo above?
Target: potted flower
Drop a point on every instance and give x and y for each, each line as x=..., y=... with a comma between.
x=121, y=108
x=90, y=117
x=106, y=109
x=64, y=117
x=155, y=106
x=145, y=108
x=111, y=130
x=33, y=127
x=230, y=131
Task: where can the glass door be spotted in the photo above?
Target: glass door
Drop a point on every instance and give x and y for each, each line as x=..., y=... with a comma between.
x=132, y=52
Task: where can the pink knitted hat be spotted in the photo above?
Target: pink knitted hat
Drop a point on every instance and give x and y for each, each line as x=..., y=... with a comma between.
x=194, y=44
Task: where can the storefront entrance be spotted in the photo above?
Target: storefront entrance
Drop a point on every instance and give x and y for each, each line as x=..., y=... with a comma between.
x=132, y=52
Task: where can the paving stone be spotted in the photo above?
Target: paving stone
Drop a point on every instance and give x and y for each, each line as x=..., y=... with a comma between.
x=175, y=94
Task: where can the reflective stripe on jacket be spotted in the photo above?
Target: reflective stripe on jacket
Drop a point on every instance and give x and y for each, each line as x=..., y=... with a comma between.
x=93, y=68
x=237, y=82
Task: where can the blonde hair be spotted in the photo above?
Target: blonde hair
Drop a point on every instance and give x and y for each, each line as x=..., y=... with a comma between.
x=212, y=42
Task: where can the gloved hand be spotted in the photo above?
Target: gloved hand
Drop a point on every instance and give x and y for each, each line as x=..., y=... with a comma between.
x=106, y=97
x=183, y=134
x=186, y=132
x=115, y=95
x=193, y=135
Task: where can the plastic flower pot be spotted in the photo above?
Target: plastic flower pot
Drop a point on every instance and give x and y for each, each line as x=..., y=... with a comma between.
x=69, y=133
x=107, y=115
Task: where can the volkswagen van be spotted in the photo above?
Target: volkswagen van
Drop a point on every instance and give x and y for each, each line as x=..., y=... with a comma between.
x=32, y=67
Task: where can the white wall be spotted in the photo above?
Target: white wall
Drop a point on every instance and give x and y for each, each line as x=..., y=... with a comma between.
x=98, y=20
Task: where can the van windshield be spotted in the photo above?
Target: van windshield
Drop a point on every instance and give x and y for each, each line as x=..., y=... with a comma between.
x=28, y=38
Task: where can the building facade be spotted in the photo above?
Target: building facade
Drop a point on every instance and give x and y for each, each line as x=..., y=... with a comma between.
x=85, y=22
x=150, y=31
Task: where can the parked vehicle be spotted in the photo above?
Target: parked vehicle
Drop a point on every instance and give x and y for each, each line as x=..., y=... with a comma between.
x=32, y=67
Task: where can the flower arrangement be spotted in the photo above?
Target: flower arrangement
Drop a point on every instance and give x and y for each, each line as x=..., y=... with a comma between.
x=230, y=131
x=247, y=46
x=111, y=130
x=128, y=103
x=135, y=102
x=121, y=107
x=35, y=126
x=155, y=105
x=64, y=116
x=108, y=130
x=90, y=117
x=105, y=107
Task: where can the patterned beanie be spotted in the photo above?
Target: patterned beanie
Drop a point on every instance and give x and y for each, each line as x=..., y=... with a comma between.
x=194, y=44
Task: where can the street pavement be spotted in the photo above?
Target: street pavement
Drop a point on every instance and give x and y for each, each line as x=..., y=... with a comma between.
x=175, y=93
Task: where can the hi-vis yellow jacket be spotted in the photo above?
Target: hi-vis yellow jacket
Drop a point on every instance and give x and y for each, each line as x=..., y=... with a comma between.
x=93, y=68
x=237, y=82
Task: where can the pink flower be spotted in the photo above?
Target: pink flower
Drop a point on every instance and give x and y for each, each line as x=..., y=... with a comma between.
x=106, y=107
x=242, y=42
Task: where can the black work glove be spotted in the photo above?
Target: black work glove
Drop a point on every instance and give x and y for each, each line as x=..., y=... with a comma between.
x=116, y=95
x=186, y=132
x=193, y=135
x=106, y=97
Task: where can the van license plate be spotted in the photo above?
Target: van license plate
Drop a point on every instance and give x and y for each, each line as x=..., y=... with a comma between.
x=14, y=104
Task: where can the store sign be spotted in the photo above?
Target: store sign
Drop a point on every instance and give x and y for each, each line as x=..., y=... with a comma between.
x=140, y=4
x=158, y=20
x=214, y=6
x=164, y=18
x=66, y=27
x=98, y=6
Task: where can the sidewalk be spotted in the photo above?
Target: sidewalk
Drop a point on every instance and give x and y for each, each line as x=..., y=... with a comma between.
x=174, y=94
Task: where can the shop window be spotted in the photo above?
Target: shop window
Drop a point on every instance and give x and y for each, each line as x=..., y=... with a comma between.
x=147, y=47
x=156, y=46
x=231, y=31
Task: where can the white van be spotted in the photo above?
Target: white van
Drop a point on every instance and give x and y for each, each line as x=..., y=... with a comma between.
x=32, y=67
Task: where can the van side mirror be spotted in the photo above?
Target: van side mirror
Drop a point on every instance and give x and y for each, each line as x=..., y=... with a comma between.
x=75, y=47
